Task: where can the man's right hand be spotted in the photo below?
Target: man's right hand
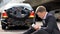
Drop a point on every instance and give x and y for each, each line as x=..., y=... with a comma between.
x=36, y=26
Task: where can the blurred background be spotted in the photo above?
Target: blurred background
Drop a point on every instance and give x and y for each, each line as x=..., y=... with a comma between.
x=52, y=6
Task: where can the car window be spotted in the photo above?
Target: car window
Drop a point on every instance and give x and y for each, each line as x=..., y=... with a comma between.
x=24, y=7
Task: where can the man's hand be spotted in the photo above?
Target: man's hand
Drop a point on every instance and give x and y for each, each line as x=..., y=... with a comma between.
x=36, y=26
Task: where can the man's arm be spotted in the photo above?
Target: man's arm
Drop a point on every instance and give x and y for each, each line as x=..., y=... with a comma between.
x=51, y=23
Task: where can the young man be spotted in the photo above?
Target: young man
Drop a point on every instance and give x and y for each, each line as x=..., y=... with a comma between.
x=48, y=20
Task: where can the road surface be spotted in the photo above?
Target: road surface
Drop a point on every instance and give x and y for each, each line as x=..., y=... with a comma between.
x=17, y=31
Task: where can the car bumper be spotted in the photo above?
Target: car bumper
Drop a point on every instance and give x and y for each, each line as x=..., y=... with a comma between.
x=19, y=23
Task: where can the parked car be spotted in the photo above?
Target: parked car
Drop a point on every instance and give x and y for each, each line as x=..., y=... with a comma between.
x=56, y=13
x=17, y=14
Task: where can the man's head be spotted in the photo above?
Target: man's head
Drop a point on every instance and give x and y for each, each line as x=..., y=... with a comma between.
x=41, y=11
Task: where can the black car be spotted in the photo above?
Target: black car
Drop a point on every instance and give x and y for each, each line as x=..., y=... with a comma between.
x=18, y=15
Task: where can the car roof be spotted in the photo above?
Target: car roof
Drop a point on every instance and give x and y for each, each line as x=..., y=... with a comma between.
x=10, y=5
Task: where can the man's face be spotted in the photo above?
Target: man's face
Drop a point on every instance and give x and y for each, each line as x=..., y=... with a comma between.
x=41, y=15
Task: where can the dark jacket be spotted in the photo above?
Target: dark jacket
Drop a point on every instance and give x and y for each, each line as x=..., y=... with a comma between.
x=49, y=24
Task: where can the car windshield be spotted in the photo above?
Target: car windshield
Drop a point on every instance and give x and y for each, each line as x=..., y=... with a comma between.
x=22, y=9
x=25, y=7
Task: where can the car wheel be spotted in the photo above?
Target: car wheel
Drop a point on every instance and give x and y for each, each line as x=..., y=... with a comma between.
x=4, y=27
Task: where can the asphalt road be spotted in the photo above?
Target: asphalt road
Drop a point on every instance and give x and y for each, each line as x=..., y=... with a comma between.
x=19, y=31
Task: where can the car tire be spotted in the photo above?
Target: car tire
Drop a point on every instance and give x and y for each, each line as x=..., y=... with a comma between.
x=3, y=26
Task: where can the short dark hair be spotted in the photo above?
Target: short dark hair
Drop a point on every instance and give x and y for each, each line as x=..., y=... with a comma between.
x=40, y=9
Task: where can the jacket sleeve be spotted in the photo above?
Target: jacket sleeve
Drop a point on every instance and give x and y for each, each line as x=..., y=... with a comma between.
x=51, y=22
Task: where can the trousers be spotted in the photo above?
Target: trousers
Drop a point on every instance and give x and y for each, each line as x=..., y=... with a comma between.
x=33, y=31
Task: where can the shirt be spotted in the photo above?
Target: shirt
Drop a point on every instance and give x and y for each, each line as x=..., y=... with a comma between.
x=45, y=15
x=44, y=18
